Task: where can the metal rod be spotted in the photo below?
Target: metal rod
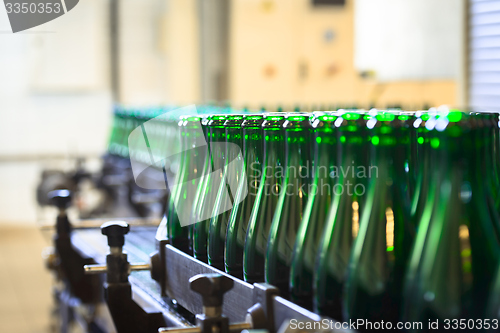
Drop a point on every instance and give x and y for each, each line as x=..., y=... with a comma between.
x=95, y=269
x=238, y=327
x=193, y=329
x=139, y=267
x=99, y=269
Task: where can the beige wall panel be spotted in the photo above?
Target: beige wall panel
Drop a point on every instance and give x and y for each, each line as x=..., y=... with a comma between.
x=311, y=68
x=141, y=63
x=180, y=46
x=263, y=58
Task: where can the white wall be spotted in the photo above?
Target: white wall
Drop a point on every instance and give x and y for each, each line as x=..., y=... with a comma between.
x=159, y=52
x=409, y=39
x=54, y=100
x=54, y=85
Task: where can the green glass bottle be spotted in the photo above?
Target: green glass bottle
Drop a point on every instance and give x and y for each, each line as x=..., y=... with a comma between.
x=182, y=194
x=381, y=249
x=115, y=130
x=495, y=152
x=125, y=126
x=291, y=202
x=240, y=214
x=456, y=250
x=410, y=151
x=493, y=305
x=265, y=201
x=207, y=190
x=174, y=230
x=311, y=228
x=128, y=124
x=351, y=173
x=197, y=251
x=485, y=152
x=422, y=163
x=232, y=174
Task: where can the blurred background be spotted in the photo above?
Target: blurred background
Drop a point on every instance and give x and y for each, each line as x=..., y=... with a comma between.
x=59, y=82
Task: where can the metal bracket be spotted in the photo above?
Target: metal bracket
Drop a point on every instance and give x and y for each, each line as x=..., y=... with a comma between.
x=127, y=315
x=258, y=303
x=263, y=296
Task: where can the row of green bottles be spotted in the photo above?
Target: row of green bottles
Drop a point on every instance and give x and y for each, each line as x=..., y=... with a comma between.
x=357, y=215
x=124, y=122
x=456, y=251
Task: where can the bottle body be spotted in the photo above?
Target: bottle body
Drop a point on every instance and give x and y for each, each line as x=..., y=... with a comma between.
x=208, y=188
x=291, y=202
x=453, y=261
x=316, y=209
x=232, y=170
x=265, y=201
x=240, y=214
x=177, y=235
x=351, y=174
x=379, y=255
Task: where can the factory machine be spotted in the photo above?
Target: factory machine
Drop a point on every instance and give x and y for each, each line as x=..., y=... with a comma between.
x=385, y=220
x=126, y=275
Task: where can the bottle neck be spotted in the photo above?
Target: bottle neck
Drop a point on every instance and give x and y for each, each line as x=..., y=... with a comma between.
x=297, y=149
x=389, y=152
x=217, y=135
x=324, y=145
x=352, y=148
x=252, y=147
x=483, y=152
x=273, y=148
x=234, y=140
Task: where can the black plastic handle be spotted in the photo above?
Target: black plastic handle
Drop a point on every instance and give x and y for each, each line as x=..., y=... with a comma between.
x=115, y=231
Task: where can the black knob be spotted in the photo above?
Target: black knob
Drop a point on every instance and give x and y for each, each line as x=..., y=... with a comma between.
x=211, y=287
x=116, y=231
x=60, y=198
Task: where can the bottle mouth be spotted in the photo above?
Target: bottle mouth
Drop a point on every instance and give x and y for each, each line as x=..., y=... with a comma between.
x=273, y=123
